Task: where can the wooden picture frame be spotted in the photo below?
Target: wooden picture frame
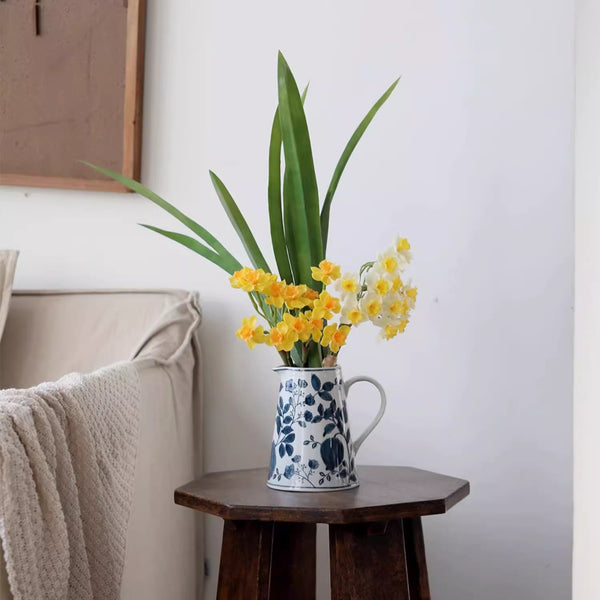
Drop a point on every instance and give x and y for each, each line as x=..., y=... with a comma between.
x=127, y=79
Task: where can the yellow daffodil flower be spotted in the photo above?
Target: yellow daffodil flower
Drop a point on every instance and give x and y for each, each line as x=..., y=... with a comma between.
x=294, y=296
x=309, y=297
x=299, y=325
x=335, y=337
x=326, y=272
x=325, y=305
x=274, y=294
x=338, y=339
x=282, y=337
x=377, y=294
x=315, y=325
x=246, y=331
x=327, y=333
x=242, y=279
x=251, y=280
x=265, y=281
x=259, y=336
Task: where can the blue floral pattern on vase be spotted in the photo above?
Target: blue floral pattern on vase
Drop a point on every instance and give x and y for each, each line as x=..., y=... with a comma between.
x=312, y=449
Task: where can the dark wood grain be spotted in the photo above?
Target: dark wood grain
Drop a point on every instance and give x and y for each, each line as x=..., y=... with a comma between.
x=267, y=561
x=134, y=89
x=385, y=493
x=294, y=562
x=245, y=560
x=368, y=562
x=375, y=534
x=415, y=559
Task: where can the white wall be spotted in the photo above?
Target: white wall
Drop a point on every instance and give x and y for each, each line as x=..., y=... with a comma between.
x=587, y=299
x=471, y=159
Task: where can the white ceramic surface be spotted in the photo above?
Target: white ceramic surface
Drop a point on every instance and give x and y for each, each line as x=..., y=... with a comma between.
x=312, y=447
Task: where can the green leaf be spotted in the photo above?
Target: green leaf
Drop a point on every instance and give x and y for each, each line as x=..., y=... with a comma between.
x=231, y=266
x=240, y=225
x=296, y=354
x=296, y=235
x=280, y=247
x=288, y=217
x=274, y=198
x=302, y=198
x=191, y=224
x=339, y=169
x=314, y=355
x=304, y=93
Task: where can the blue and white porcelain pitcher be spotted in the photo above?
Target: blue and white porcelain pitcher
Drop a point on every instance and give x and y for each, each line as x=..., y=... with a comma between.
x=312, y=450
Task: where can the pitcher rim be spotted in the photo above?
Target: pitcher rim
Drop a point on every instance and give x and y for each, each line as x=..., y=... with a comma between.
x=286, y=368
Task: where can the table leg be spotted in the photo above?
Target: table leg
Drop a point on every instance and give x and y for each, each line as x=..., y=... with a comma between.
x=368, y=561
x=415, y=559
x=267, y=561
x=294, y=562
x=245, y=560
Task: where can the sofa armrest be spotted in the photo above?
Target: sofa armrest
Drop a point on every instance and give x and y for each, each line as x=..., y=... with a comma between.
x=164, y=543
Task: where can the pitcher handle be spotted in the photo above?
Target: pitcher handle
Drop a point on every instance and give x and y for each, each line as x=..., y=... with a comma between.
x=383, y=402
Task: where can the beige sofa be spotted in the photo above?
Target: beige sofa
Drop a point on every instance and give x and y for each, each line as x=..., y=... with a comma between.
x=49, y=334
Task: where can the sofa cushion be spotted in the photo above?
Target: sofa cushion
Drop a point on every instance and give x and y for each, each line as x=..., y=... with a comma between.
x=50, y=333
x=8, y=263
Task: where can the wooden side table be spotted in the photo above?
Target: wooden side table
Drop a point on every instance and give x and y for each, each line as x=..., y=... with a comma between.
x=375, y=535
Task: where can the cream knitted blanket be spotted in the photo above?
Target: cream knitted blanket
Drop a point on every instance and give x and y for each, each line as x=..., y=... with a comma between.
x=67, y=461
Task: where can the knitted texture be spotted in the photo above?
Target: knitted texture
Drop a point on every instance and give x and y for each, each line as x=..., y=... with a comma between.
x=67, y=463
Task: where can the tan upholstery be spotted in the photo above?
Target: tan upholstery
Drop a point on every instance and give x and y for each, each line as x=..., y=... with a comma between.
x=49, y=334
x=8, y=262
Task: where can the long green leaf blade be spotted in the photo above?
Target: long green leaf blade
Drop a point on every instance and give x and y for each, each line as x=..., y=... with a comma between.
x=303, y=192
x=288, y=217
x=339, y=169
x=274, y=200
x=296, y=229
x=239, y=224
x=304, y=93
x=280, y=247
x=181, y=217
x=231, y=266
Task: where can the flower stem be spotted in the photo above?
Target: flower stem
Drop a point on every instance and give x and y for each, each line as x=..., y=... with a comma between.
x=314, y=355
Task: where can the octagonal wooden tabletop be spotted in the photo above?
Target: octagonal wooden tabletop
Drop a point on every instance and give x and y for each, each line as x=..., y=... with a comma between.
x=384, y=493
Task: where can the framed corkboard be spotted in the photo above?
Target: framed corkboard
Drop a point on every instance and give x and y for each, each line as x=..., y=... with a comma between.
x=71, y=89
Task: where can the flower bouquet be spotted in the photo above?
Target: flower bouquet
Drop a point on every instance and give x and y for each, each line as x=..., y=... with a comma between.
x=294, y=302
x=307, y=306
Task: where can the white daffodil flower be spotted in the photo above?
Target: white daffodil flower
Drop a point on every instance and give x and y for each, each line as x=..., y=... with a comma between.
x=371, y=304
x=402, y=248
x=391, y=261
x=395, y=306
x=348, y=285
x=351, y=313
